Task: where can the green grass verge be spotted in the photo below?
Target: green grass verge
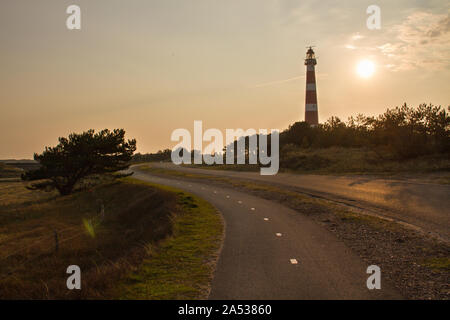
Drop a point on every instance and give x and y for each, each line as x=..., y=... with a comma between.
x=180, y=267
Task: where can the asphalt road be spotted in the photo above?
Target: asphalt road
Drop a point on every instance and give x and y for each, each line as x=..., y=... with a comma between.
x=273, y=252
x=425, y=206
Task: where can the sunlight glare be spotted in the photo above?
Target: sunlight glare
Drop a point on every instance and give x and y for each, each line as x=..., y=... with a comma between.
x=366, y=68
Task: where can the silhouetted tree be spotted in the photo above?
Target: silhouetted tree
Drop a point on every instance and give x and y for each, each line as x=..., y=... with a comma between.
x=79, y=156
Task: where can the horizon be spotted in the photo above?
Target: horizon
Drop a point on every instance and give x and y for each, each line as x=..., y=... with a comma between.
x=240, y=66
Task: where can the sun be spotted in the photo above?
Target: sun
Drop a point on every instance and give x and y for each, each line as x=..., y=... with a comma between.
x=366, y=68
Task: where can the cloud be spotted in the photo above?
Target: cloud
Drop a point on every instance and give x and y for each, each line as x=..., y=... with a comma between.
x=351, y=45
x=357, y=36
x=422, y=40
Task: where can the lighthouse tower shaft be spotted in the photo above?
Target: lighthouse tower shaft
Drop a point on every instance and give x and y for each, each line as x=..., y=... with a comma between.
x=311, y=111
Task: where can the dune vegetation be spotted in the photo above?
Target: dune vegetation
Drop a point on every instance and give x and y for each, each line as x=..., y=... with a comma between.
x=121, y=234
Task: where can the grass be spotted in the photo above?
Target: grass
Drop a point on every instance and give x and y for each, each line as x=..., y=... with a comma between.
x=441, y=263
x=138, y=218
x=338, y=160
x=14, y=195
x=9, y=171
x=360, y=161
x=177, y=269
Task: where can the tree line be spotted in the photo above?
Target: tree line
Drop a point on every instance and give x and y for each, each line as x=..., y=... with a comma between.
x=401, y=133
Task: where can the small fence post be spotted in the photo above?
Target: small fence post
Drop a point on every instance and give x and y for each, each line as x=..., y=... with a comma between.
x=102, y=209
x=56, y=240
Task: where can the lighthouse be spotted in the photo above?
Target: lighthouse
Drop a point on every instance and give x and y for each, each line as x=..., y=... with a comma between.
x=311, y=113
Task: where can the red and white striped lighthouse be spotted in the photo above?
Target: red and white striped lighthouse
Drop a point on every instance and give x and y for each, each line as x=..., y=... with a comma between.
x=311, y=113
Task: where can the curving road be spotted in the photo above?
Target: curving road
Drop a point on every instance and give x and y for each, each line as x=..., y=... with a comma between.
x=425, y=206
x=273, y=252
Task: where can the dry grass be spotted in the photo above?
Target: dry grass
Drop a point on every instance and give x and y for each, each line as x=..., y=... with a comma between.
x=338, y=160
x=9, y=171
x=143, y=233
x=135, y=215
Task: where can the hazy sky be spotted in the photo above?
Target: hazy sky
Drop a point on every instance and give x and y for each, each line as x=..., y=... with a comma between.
x=152, y=66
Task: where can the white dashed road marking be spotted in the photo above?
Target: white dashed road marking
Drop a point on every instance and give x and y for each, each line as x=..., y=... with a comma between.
x=294, y=261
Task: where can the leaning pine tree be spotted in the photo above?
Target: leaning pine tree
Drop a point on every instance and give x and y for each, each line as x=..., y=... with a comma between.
x=79, y=156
